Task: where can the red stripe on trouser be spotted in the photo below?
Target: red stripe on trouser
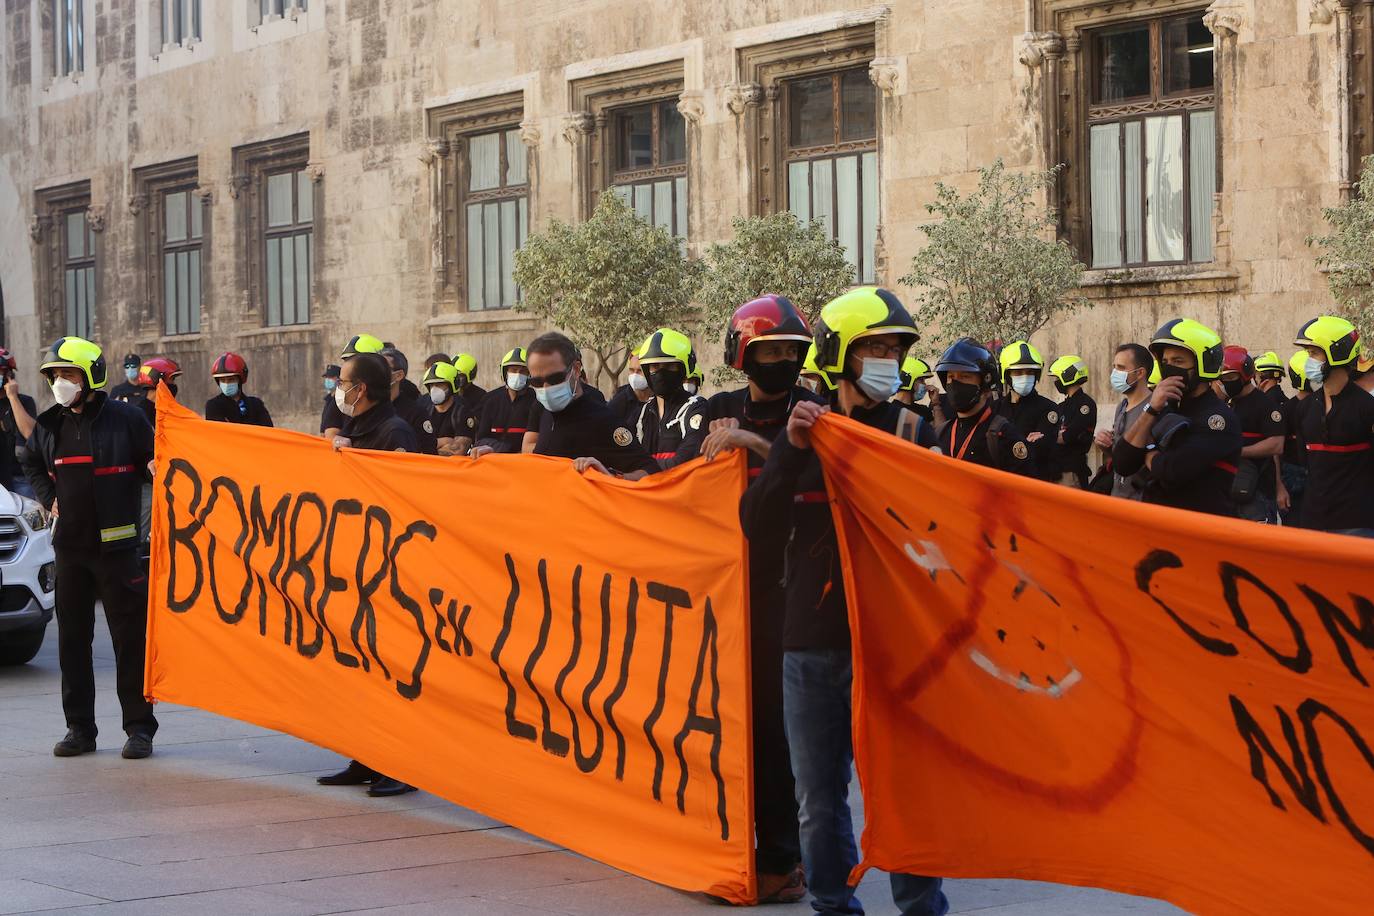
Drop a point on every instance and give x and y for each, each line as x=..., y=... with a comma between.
x=1319, y=447
x=814, y=496
x=754, y=472
x=1253, y=436
x=75, y=459
x=1228, y=468
x=114, y=469
x=660, y=456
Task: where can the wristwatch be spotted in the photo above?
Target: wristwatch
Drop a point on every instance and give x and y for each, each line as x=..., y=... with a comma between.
x=1150, y=409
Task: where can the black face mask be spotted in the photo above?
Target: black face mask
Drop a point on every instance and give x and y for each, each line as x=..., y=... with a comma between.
x=1169, y=371
x=773, y=378
x=1233, y=388
x=172, y=388
x=666, y=382
x=962, y=395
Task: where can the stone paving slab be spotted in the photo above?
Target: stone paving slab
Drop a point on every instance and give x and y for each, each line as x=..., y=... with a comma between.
x=226, y=818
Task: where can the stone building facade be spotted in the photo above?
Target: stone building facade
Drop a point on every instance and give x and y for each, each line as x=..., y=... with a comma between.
x=183, y=177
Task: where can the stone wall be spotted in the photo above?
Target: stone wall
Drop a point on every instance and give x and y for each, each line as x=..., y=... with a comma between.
x=960, y=85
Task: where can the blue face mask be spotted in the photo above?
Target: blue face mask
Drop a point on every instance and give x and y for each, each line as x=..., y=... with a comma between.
x=1120, y=383
x=554, y=398
x=1023, y=384
x=329, y=385
x=131, y=373
x=920, y=391
x=230, y=389
x=880, y=378
x=1315, y=370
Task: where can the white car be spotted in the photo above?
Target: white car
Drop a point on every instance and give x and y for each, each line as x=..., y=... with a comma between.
x=27, y=577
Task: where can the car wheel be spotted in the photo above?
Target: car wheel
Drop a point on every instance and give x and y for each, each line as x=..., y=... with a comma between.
x=20, y=646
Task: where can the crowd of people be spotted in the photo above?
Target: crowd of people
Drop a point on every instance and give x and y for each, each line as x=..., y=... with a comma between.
x=1200, y=425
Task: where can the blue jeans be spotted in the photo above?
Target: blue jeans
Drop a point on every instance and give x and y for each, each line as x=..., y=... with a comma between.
x=816, y=706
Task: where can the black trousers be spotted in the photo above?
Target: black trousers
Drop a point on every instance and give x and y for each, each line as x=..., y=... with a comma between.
x=775, y=798
x=119, y=581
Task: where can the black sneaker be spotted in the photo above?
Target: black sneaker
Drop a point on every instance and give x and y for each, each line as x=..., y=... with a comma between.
x=76, y=743
x=355, y=774
x=137, y=747
x=386, y=787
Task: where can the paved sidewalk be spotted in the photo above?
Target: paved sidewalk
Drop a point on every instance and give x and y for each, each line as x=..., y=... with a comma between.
x=226, y=818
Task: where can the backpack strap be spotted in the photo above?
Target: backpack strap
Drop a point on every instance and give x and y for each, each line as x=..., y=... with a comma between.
x=909, y=426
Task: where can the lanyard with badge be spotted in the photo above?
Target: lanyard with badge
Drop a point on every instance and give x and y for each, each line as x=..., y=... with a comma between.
x=954, y=434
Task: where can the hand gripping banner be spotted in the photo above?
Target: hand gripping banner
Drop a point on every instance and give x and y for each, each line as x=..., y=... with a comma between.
x=1056, y=685
x=565, y=653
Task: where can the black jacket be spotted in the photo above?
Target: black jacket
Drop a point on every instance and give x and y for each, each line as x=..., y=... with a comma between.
x=1034, y=413
x=503, y=421
x=381, y=429
x=1078, y=423
x=234, y=410
x=1196, y=467
x=414, y=409
x=121, y=447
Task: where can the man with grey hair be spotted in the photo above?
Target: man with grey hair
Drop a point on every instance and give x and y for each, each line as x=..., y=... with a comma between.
x=410, y=406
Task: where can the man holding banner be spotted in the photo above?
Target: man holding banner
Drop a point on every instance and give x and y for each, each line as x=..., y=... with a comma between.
x=860, y=341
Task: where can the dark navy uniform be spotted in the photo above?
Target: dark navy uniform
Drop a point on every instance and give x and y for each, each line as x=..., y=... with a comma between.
x=414, y=409
x=1196, y=467
x=678, y=434
x=640, y=416
x=503, y=420
x=1340, y=459
x=537, y=410
x=330, y=415
x=988, y=439
x=586, y=428
x=1293, y=467
x=243, y=409
x=444, y=424
x=11, y=439
x=381, y=429
x=1078, y=423
x=1034, y=413
x=1260, y=418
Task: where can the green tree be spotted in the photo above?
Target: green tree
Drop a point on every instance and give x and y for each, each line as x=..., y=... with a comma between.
x=1347, y=254
x=992, y=269
x=770, y=254
x=607, y=282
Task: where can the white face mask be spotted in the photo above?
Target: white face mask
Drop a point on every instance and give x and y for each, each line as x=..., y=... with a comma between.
x=65, y=392
x=1023, y=384
x=438, y=395
x=341, y=401
x=638, y=382
x=880, y=378
x=1315, y=370
x=229, y=389
x=689, y=387
x=516, y=381
x=1120, y=383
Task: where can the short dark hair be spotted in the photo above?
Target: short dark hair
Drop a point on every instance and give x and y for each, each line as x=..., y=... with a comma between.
x=433, y=358
x=1139, y=355
x=397, y=359
x=372, y=372
x=554, y=342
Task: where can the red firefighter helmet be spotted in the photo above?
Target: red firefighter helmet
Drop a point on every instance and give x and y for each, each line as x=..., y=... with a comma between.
x=230, y=364
x=7, y=363
x=158, y=369
x=765, y=318
x=1238, y=359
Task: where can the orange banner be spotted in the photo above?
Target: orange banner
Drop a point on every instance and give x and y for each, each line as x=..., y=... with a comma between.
x=1056, y=685
x=565, y=653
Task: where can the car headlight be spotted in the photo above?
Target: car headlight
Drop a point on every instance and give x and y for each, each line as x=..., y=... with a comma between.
x=33, y=514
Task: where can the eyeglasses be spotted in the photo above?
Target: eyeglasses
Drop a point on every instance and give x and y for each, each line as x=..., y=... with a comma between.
x=553, y=378
x=878, y=350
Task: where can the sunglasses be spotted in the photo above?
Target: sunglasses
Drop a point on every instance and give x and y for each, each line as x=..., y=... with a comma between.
x=553, y=378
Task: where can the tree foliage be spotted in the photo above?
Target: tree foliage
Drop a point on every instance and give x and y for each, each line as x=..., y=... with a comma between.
x=992, y=269
x=1347, y=254
x=770, y=254
x=607, y=282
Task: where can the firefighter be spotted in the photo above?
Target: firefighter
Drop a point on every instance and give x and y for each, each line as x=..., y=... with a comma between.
x=1035, y=416
x=406, y=398
x=861, y=338
x=1187, y=438
x=18, y=414
x=975, y=432
x=330, y=380
x=668, y=359
x=1269, y=376
x=1261, y=426
x=154, y=370
x=634, y=402
x=1337, y=428
x=441, y=387
x=1077, y=422
x=916, y=375
x=331, y=420
x=129, y=389
x=766, y=339
x=86, y=459
x=813, y=379
x=572, y=423
x=468, y=389
x=1293, y=463
x=503, y=419
x=231, y=405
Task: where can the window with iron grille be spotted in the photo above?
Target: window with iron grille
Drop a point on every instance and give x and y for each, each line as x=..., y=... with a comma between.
x=831, y=159
x=496, y=213
x=288, y=221
x=180, y=22
x=1152, y=142
x=69, y=33
x=650, y=163
x=78, y=272
x=183, y=235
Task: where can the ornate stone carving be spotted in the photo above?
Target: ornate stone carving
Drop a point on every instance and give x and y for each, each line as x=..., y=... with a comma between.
x=204, y=193
x=136, y=203
x=436, y=148
x=1321, y=12
x=578, y=126
x=39, y=226
x=886, y=74
x=95, y=218
x=237, y=184
x=530, y=135
x=1224, y=18
x=739, y=96
x=314, y=170
x=691, y=105
x=1036, y=47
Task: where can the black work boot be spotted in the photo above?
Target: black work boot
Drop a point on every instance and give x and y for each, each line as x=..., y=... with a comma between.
x=78, y=742
x=137, y=747
x=385, y=787
x=355, y=774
